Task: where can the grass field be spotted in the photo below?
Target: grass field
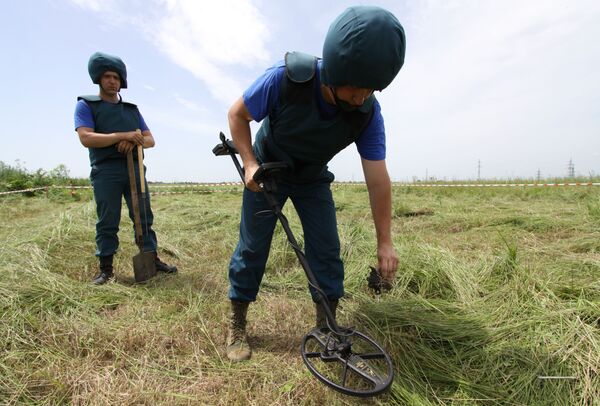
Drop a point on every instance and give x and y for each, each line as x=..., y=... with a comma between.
x=498, y=290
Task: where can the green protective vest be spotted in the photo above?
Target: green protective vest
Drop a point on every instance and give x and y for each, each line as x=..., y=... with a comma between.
x=299, y=134
x=109, y=118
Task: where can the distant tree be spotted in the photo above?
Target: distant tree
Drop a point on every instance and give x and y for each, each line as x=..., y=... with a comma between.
x=60, y=174
x=16, y=177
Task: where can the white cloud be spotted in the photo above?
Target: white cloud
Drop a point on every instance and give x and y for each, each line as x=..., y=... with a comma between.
x=148, y=87
x=228, y=31
x=208, y=39
x=94, y=5
x=188, y=104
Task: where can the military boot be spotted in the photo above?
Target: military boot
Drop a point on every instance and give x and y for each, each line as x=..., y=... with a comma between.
x=321, y=319
x=163, y=267
x=105, y=273
x=238, y=348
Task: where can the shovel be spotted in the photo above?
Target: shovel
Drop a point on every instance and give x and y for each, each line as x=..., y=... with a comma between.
x=144, y=267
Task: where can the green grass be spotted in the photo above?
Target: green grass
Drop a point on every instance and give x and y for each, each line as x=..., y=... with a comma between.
x=496, y=289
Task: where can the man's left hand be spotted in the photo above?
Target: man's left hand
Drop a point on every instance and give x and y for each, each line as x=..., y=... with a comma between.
x=388, y=262
x=125, y=146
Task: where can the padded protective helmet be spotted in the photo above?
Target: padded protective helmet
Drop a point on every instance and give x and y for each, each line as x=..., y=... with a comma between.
x=364, y=47
x=100, y=62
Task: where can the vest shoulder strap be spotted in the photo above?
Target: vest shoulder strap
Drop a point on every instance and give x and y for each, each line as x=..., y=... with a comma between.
x=96, y=98
x=89, y=98
x=296, y=86
x=300, y=67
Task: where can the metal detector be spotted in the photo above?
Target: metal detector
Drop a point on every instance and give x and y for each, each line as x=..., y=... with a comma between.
x=340, y=357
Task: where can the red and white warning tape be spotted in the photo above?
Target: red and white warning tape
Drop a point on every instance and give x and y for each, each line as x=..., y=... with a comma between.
x=72, y=188
x=192, y=186
x=189, y=185
x=499, y=184
x=11, y=192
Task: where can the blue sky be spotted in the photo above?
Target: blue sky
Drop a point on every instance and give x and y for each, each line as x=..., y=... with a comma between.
x=511, y=83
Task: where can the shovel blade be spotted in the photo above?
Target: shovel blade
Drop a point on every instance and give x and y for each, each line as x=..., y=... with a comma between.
x=144, y=267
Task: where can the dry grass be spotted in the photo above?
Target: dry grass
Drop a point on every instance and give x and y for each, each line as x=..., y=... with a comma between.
x=496, y=288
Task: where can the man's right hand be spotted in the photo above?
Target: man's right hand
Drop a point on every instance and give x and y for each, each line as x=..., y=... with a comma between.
x=91, y=139
x=133, y=136
x=249, y=171
x=125, y=146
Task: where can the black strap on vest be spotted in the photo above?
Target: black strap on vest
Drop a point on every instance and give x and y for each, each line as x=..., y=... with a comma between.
x=96, y=98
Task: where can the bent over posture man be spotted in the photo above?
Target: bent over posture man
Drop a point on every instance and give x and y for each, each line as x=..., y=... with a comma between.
x=110, y=128
x=310, y=110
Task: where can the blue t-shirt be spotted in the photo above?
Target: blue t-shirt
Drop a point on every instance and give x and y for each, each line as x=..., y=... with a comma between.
x=262, y=99
x=85, y=118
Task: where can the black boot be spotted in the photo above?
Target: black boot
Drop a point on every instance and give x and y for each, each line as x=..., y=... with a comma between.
x=162, y=267
x=106, y=271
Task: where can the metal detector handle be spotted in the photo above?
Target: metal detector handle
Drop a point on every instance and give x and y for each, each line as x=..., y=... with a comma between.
x=265, y=172
x=268, y=171
x=227, y=147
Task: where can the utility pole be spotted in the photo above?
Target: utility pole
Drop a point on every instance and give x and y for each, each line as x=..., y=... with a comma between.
x=571, y=169
x=479, y=169
x=539, y=175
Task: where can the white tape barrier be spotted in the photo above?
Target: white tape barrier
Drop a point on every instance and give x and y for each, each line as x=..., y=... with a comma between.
x=204, y=185
x=12, y=192
x=72, y=188
x=499, y=184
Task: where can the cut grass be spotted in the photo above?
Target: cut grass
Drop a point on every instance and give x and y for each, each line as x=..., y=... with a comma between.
x=496, y=291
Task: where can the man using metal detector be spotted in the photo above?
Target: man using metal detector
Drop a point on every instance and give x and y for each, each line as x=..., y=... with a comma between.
x=310, y=110
x=112, y=130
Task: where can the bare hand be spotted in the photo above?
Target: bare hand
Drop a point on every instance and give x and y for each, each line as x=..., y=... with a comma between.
x=249, y=172
x=125, y=146
x=135, y=137
x=388, y=262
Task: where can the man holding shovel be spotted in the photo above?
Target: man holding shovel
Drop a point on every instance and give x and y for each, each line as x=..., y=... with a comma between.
x=310, y=110
x=113, y=131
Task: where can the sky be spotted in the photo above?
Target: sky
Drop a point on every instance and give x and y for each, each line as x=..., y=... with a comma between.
x=496, y=89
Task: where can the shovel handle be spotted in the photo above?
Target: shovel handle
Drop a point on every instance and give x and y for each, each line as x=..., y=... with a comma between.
x=135, y=202
x=140, y=154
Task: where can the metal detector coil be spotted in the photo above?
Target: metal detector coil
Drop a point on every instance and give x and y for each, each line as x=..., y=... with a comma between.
x=351, y=362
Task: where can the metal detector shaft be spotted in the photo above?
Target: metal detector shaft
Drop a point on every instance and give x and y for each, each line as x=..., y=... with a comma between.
x=322, y=299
